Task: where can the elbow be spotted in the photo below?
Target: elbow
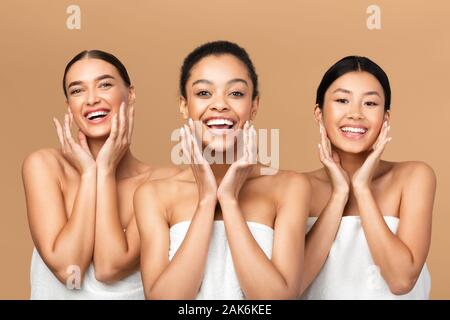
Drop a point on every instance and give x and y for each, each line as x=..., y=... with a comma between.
x=107, y=273
x=71, y=276
x=401, y=286
x=284, y=293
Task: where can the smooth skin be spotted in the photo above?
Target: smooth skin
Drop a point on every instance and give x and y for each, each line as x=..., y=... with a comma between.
x=235, y=193
x=80, y=197
x=355, y=181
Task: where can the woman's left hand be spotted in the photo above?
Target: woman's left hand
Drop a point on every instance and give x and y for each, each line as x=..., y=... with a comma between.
x=363, y=176
x=119, y=140
x=238, y=172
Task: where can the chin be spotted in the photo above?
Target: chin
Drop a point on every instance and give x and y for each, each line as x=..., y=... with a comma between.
x=355, y=149
x=98, y=133
x=219, y=146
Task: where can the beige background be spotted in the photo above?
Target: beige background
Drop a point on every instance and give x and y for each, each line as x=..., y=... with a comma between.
x=292, y=43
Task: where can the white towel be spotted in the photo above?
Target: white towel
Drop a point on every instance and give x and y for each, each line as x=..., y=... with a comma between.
x=44, y=285
x=220, y=279
x=349, y=271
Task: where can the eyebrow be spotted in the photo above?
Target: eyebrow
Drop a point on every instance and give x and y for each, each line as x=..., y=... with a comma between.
x=104, y=76
x=229, y=82
x=368, y=93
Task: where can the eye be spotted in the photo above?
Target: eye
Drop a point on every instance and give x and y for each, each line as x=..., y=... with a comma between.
x=341, y=100
x=203, y=93
x=75, y=91
x=105, y=85
x=237, y=94
x=371, y=103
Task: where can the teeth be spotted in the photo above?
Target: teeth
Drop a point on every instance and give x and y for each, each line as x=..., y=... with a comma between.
x=219, y=122
x=354, y=130
x=96, y=114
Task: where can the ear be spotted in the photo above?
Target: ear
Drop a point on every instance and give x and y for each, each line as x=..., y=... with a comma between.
x=387, y=116
x=183, y=108
x=255, y=107
x=318, y=114
x=131, y=96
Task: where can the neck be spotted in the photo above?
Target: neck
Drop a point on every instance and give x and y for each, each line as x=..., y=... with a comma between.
x=95, y=145
x=220, y=169
x=127, y=165
x=351, y=162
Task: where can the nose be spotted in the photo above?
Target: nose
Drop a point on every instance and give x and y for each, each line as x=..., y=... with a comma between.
x=92, y=98
x=354, y=111
x=219, y=104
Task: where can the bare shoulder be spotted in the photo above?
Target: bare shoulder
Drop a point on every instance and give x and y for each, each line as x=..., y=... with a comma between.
x=160, y=189
x=317, y=176
x=414, y=171
x=284, y=181
x=43, y=160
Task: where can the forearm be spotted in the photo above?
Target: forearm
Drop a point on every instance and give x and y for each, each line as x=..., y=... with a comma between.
x=182, y=277
x=74, y=244
x=389, y=253
x=111, y=248
x=258, y=276
x=321, y=236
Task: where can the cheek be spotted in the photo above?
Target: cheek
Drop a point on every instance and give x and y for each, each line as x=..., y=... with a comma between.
x=75, y=104
x=376, y=119
x=196, y=107
x=242, y=108
x=115, y=95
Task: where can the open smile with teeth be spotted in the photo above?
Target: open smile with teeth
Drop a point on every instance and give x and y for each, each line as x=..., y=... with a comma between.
x=97, y=116
x=353, y=132
x=220, y=125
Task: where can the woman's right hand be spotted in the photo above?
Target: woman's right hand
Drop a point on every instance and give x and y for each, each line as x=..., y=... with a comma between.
x=330, y=159
x=78, y=154
x=204, y=177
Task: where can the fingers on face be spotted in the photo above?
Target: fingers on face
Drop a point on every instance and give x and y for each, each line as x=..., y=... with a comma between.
x=122, y=121
x=60, y=133
x=321, y=153
x=185, y=145
x=67, y=132
x=70, y=116
x=130, y=122
x=252, y=145
x=83, y=141
x=383, y=137
x=245, y=137
x=114, y=128
x=325, y=142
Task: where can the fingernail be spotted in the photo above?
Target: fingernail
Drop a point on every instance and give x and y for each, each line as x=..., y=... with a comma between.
x=318, y=145
x=389, y=128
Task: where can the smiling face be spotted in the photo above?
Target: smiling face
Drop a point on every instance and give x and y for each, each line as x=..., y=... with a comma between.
x=219, y=96
x=353, y=111
x=95, y=91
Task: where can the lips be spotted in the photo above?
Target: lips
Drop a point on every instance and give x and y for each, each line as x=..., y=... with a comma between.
x=96, y=116
x=220, y=125
x=353, y=132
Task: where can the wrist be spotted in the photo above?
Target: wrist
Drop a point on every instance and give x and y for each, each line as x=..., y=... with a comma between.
x=361, y=190
x=342, y=190
x=340, y=194
x=227, y=200
x=88, y=173
x=207, y=200
x=105, y=171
